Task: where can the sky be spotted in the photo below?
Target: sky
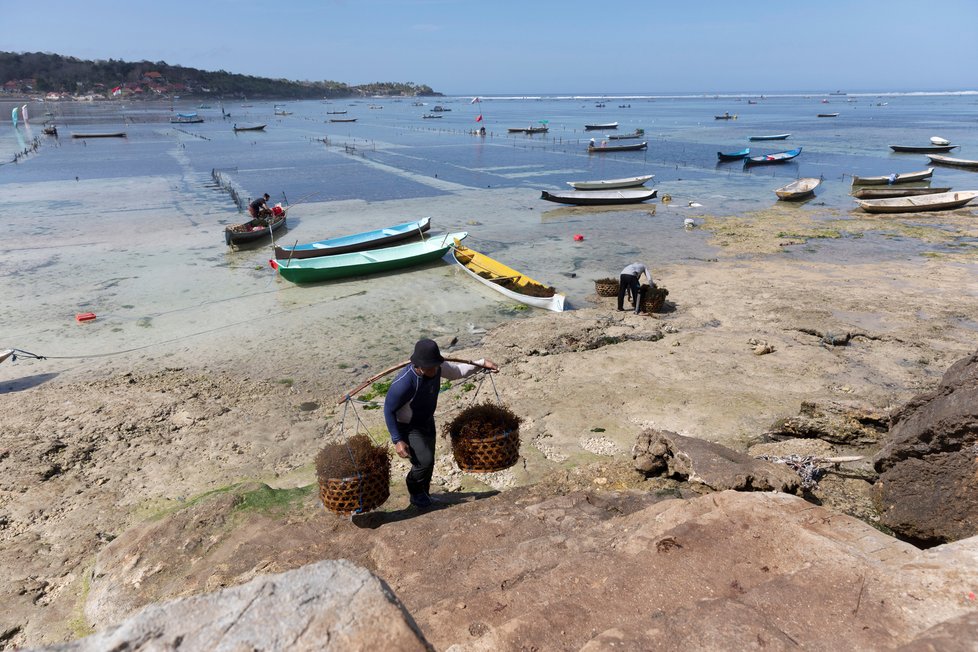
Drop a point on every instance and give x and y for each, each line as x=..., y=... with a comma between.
x=506, y=47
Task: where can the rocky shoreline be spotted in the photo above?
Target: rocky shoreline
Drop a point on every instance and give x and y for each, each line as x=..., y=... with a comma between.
x=127, y=489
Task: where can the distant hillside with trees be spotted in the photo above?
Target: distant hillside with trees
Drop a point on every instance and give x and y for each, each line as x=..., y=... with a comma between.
x=40, y=72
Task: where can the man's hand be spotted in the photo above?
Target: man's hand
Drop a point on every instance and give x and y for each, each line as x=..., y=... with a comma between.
x=402, y=449
x=490, y=365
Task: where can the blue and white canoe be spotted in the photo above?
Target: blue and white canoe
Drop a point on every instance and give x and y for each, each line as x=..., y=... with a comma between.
x=356, y=242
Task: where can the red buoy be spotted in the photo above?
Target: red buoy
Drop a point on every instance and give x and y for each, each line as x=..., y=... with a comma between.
x=578, y=237
x=85, y=316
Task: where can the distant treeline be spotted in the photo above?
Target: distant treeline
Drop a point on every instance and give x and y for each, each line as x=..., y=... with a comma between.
x=53, y=73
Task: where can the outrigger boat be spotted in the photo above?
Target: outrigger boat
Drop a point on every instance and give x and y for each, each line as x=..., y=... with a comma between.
x=777, y=157
x=599, y=197
x=359, y=263
x=506, y=280
x=251, y=128
x=602, y=149
x=356, y=242
x=252, y=230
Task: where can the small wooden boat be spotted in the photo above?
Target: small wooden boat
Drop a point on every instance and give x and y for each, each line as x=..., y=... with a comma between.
x=725, y=116
x=602, y=149
x=798, y=189
x=955, y=162
x=890, y=179
x=112, y=134
x=345, y=119
x=440, y=109
x=426, y=116
x=359, y=263
x=356, y=242
x=638, y=133
x=828, y=115
x=937, y=140
x=777, y=157
x=934, y=202
x=599, y=197
x=336, y=113
x=50, y=130
x=609, y=184
x=252, y=230
x=772, y=137
x=734, y=156
x=186, y=119
x=506, y=280
x=922, y=149
x=606, y=125
x=528, y=130
x=251, y=128
x=895, y=191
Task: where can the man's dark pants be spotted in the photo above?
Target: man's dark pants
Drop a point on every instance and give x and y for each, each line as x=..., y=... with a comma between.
x=630, y=283
x=422, y=443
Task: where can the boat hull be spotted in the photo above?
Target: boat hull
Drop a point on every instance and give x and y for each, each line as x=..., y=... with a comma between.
x=362, y=263
x=607, y=125
x=770, y=159
x=617, y=148
x=474, y=262
x=954, y=162
x=610, y=184
x=798, y=189
x=774, y=137
x=356, y=242
x=922, y=149
x=890, y=193
x=598, y=197
x=232, y=237
x=734, y=156
x=934, y=202
x=891, y=179
x=114, y=134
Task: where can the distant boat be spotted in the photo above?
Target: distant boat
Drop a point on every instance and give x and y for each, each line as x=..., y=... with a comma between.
x=955, y=162
x=604, y=125
x=608, y=184
x=638, y=133
x=798, y=189
x=890, y=179
x=934, y=202
x=599, y=197
x=356, y=242
x=186, y=119
x=895, y=191
x=439, y=109
x=937, y=140
x=426, y=116
x=506, y=280
x=922, y=149
x=734, y=156
x=112, y=134
x=777, y=157
x=50, y=130
x=528, y=130
x=828, y=115
x=838, y=93
x=345, y=119
x=603, y=149
x=772, y=137
x=250, y=128
x=335, y=112
x=725, y=116
x=359, y=263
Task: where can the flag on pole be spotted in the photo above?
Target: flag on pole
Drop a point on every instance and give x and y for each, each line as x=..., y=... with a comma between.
x=479, y=119
x=117, y=90
x=474, y=100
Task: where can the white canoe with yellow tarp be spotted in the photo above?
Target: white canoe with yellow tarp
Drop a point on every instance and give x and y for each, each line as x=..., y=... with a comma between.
x=506, y=280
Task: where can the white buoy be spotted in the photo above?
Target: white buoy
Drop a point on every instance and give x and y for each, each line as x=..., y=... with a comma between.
x=937, y=140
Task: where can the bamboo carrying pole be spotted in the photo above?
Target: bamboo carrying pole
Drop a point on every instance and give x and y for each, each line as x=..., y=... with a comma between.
x=349, y=395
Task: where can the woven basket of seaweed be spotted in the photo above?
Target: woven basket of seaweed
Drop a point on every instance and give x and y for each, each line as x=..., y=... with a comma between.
x=606, y=287
x=354, y=476
x=653, y=298
x=485, y=438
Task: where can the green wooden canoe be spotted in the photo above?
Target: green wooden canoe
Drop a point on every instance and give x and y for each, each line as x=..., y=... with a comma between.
x=360, y=263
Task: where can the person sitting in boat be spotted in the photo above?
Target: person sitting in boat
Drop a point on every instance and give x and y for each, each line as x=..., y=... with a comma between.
x=482, y=131
x=592, y=144
x=628, y=282
x=258, y=209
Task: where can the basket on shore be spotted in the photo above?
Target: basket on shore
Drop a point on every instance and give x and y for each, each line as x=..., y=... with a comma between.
x=485, y=438
x=354, y=476
x=652, y=298
x=606, y=287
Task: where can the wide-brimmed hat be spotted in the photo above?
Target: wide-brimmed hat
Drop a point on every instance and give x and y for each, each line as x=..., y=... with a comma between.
x=426, y=354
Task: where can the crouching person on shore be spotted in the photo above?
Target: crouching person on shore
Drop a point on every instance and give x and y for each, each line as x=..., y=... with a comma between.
x=409, y=410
